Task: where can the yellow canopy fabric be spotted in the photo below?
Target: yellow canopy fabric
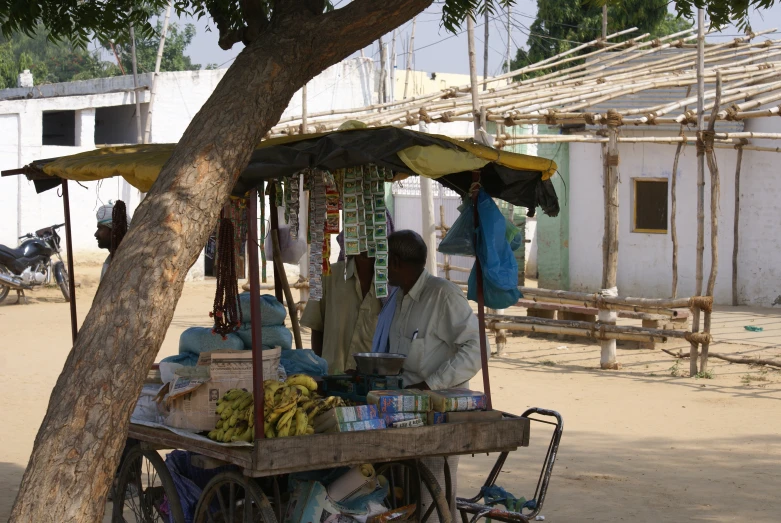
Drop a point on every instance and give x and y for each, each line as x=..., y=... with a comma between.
x=141, y=164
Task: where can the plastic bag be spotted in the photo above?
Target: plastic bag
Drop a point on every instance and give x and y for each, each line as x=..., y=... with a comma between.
x=271, y=311
x=303, y=361
x=202, y=339
x=273, y=336
x=186, y=359
x=500, y=269
x=290, y=250
x=459, y=240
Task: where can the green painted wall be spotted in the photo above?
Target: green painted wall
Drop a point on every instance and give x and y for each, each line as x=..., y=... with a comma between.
x=553, y=233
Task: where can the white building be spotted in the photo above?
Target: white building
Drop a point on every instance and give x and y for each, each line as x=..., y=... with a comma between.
x=56, y=120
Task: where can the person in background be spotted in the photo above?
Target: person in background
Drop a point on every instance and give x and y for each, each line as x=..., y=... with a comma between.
x=344, y=320
x=112, y=227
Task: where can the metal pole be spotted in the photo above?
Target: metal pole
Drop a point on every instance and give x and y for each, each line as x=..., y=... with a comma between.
x=255, y=313
x=480, y=298
x=139, y=135
x=69, y=249
x=153, y=90
x=700, y=183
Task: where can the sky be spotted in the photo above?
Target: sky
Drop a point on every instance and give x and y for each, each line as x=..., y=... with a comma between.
x=437, y=50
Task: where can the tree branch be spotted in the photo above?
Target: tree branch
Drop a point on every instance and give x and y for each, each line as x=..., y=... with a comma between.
x=255, y=17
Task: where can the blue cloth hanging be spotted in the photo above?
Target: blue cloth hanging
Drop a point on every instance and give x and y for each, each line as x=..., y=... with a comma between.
x=381, y=342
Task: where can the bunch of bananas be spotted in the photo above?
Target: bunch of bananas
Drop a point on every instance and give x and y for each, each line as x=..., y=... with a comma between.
x=289, y=410
x=290, y=407
x=237, y=420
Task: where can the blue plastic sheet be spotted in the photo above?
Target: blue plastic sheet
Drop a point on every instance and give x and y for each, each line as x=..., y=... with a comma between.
x=273, y=336
x=500, y=269
x=201, y=339
x=303, y=361
x=271, y=311
x=188, y=359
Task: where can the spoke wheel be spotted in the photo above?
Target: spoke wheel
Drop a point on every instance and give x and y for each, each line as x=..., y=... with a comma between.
x=412, y=483
x=4, y=289
x=145, y=491
x=232, y=498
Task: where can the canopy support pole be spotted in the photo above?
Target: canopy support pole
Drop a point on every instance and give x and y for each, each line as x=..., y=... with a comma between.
x=255, y=314
x=69, y=249
x=274, y=226
x=474, y=190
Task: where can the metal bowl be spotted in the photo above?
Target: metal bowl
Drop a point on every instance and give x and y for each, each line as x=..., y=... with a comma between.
x=379, y=363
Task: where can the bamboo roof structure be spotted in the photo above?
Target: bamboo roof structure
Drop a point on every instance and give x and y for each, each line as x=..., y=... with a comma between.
x=576, y=89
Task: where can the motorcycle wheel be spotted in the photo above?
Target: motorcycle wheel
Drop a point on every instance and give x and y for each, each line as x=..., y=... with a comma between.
x=61, y=275
x=4, y=289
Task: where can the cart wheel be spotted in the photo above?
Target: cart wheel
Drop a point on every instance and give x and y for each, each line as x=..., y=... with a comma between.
x=145, y=490
x=407, y=481
x=232, y=498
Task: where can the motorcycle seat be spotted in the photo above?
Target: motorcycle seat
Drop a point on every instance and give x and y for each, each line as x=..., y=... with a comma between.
x=11, y=253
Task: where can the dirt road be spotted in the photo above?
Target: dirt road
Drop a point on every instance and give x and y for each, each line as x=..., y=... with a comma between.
x=639, y=444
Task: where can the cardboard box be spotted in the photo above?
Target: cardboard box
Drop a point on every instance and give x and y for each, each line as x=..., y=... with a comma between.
x=191, y=399
x=395, y=401
x=435, y=418
x=331, y=417
x=354, y=426
x=456, y=400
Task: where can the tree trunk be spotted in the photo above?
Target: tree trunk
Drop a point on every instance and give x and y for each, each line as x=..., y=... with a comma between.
x=78, y=446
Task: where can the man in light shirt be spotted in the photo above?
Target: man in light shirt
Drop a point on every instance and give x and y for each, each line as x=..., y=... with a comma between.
x=343, y=321
x=433, y=324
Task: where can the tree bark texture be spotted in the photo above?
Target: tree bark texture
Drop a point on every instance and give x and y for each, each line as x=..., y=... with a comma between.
x=78, y=446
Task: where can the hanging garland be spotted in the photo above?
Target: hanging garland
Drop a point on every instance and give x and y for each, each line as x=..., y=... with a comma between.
x=227, y=308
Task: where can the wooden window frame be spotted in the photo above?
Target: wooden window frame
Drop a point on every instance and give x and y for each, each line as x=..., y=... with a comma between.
x=634, y=205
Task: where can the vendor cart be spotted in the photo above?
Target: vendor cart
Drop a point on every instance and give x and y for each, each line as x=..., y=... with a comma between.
x=247, y=481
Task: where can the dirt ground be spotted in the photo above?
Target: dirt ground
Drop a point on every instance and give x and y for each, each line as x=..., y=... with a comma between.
x=645, y=443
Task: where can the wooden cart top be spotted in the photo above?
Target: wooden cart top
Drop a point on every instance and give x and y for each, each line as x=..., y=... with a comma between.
x=270, y=457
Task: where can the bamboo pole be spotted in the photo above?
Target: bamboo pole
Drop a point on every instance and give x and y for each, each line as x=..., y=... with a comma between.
x=392, y=68
x=410, y=52
x=597, y=331
x=291, y=305
x=604, y=21
x=509, y=39
x=381, y=94
x=158, y=60
x=674, y=205
x=714, y=225
x=700, y=184
x=139, y=135
x=732, y=359
x=736, y=228
x=470, y=30
x=610, y=240
x=446, y=266
x=485, y=50
x=598, y=300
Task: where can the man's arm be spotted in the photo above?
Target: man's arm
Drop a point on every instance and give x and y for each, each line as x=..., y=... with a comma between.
x=458, y=328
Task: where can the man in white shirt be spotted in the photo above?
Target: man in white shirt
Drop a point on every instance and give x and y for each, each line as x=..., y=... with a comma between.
x=433, y=324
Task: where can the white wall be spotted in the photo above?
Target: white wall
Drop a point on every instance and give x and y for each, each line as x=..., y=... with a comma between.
x=644, y=260
x=180, y=96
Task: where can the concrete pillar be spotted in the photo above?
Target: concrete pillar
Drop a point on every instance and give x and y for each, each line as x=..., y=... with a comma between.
x=85, y=128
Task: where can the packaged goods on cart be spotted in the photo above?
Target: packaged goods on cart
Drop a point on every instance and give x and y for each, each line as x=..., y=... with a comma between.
x=355, y=426
x=395, y=401
x=435, y=418
x=403, y=419
x=456, y=400
x=327, y=420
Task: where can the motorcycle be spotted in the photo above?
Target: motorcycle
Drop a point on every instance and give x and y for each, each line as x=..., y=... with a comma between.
x=30, y=264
